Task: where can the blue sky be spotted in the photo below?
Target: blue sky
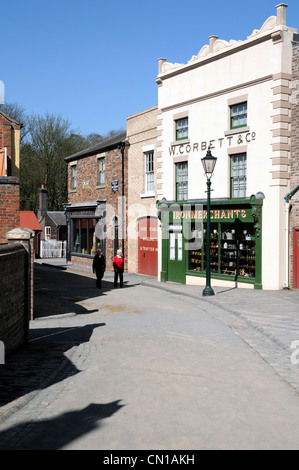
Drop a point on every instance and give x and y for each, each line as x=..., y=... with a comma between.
x=95, y=62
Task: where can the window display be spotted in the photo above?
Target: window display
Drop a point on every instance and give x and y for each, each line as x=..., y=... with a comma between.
x=232, y=251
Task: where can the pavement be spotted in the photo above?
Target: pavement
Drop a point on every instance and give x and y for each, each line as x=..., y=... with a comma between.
x=267, y=321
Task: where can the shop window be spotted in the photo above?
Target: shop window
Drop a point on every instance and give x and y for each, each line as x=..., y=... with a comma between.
x=149, y=171
x=101, y=171
x=232, y=252
x=84, y=240
x=182, y=181
x=238, y=175
x=74, y=177
x=181, y=129
x=238, y=115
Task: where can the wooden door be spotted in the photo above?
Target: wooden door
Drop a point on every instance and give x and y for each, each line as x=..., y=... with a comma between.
x=148, y=246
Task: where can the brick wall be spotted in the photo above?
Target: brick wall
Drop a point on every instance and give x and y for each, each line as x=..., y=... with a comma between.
x=14, y=315
x=9, y=205
x=88, y=190
x=5, y=134
x=294, y=164
x=141, y=132
x=10, y=138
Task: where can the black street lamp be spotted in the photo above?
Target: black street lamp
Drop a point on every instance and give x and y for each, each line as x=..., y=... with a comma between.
x=208, y=163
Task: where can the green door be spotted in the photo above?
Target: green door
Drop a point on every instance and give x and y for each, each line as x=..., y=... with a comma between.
x=176, y=257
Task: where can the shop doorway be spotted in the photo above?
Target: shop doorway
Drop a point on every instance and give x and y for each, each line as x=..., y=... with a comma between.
x=148, y=246
x=296, y=258
x=176, y=256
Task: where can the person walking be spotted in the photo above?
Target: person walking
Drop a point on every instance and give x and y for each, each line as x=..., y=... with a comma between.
x=118, y=265
x=99, y=267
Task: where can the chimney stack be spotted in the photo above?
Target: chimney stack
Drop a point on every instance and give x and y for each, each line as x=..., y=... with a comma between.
x=212, y=40
x=281, y=14
x=42, y=202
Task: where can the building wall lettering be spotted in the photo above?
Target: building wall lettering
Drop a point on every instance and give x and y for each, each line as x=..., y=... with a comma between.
x=238, y=139
x=216, y=214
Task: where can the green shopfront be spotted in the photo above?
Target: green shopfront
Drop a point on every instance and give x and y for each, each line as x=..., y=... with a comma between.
x=235, y=241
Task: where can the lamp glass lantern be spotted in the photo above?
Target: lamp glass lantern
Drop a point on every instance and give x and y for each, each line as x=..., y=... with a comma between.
x=208, y=163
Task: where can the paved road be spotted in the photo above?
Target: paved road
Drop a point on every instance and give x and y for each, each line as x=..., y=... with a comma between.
x=149, y=368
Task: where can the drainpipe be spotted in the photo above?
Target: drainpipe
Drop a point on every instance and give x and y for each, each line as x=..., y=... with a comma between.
x=287, y=210
x=122, y=147
x=287, y=223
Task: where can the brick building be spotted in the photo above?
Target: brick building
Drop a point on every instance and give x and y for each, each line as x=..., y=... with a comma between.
x=9, y=175
x=97, y=196
x=142, y=175
x=9, y=146
x=9, y=205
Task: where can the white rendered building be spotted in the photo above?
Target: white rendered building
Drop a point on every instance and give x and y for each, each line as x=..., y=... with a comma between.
x=234, y=98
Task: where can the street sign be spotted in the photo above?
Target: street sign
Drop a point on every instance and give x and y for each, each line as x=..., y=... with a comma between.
x=114, y=185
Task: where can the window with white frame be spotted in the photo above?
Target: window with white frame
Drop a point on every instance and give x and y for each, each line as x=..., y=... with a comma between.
x=48, y=233
x=182, y=181
x=238, y=175
x=149, y=171
x=238, y=115
x=101, y=171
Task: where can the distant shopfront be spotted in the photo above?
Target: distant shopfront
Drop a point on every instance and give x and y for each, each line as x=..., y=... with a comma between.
x=236, y=241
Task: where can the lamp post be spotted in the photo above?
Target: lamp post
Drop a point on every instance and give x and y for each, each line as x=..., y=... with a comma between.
x=208, y=163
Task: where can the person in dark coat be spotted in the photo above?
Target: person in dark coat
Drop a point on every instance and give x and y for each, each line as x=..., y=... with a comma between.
x=99, y=267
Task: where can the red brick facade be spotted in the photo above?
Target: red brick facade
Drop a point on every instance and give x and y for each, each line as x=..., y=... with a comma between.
x=85, y=198
x=9, y=205
x=9, y=140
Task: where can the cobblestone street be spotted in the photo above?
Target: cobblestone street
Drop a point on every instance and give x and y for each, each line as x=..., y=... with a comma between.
x=152, y=366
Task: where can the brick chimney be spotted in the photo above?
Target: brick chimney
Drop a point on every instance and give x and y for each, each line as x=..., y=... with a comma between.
x=42, y=202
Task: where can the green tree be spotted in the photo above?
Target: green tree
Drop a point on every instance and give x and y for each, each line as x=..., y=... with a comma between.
x=50, y=140
x=45, y=142
x=17, y=112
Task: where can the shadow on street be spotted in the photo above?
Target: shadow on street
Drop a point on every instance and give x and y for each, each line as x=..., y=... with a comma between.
x=59, y=292
x=37, y=365
x=55, y=433
x=44, y=360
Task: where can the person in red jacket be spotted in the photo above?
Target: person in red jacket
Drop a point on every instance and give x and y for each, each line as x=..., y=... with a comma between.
x=118, y=265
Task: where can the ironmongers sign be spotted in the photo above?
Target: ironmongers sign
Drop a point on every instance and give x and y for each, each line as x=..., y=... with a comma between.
x=215, y=214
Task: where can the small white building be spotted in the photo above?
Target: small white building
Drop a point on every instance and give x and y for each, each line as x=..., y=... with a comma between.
x=234, y=98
